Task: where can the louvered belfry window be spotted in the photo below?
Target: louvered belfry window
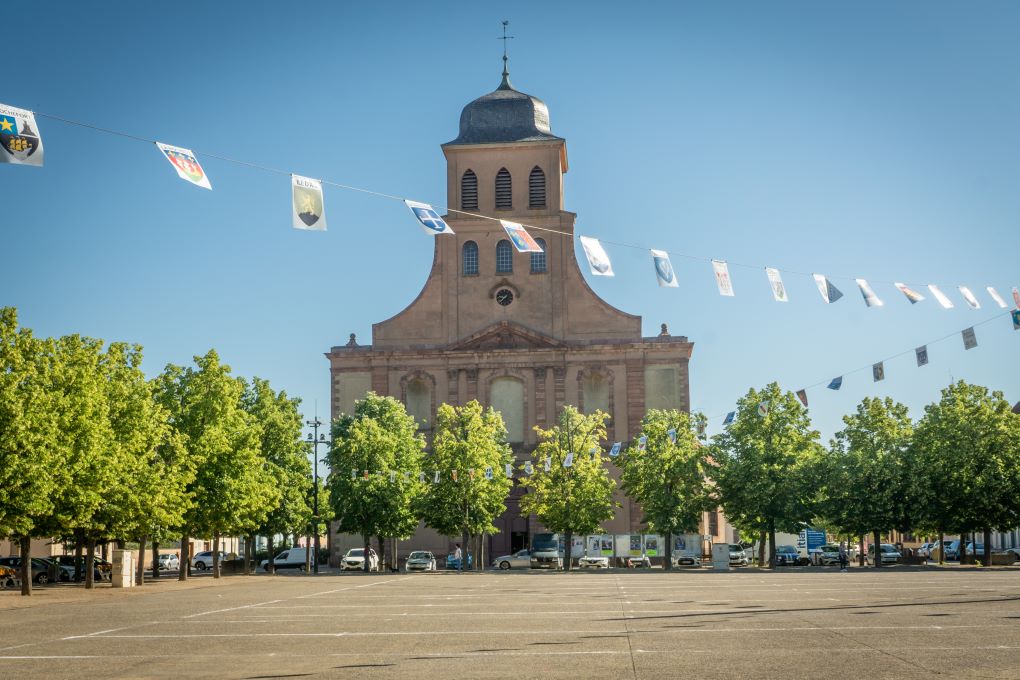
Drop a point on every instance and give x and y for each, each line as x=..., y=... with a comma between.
x=536, y=188
x=503, y=190
x=469, y=191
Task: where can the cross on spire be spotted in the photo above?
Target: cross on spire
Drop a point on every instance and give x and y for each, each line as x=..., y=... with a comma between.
x=506, y=73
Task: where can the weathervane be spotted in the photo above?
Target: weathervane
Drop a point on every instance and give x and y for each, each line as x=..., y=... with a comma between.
x=505, y=37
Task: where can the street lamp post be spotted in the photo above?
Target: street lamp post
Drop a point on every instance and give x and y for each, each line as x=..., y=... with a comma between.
x=315, y=440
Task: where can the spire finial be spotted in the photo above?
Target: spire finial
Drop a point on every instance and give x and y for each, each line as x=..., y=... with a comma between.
x=505, y=85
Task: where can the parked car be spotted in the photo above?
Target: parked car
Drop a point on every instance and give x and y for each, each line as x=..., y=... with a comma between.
x=40, y=569
x=293, y=558
x=978, y=550
x=355, y=560
x=453, y=563
x=98, y=571
x=521, y=558
x=593, y=562
x=737, y=556
x=924, y=550
x=683, y=558
x=789, y=556
x=890, y=555
x=65, y=572
x=1013, y=553
x=204, y=560
x=828, y=554
x=9, y=578
x=169, y=561
x=639, y=561
x=420, y=560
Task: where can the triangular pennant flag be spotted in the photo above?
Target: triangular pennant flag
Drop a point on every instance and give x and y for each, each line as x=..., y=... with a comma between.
x=488, y=472
x=969, y=298
x=20, y=141
x=429, y=219
x=995, y=296
x=671, y=435
x=730, y=417
x=615, y=450
x=308, y=210
x=642, y=443
x=835, y=383
x=521, y=239
x=722, y=278
x=598, y=261
x=528, y=467
x=435, y=477
x=922, y=355
x=664, y=273
x=940, y=296
x=776, y=282
x=187, y=166
x=508, y=469
x=878, y=371
x=569, y=460
x=828, y=291
x=802, y=395
x=910, y=293
x=763, y=409
x=969, y=339
x=870, y=299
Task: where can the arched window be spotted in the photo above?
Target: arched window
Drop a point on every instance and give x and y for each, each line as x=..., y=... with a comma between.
x=536, y=188
x=504, y=257
x=469, y=191
x=506, y=395
x=419, y=402
x=469, y=258
x=503, y=190
x=595, y=392
x=538, y=260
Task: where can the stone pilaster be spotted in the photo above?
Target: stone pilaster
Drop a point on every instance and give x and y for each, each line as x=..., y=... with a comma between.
x=635, y=398
x=453, y=386
x=540, y=405
x=559, y=387
x=472, y=383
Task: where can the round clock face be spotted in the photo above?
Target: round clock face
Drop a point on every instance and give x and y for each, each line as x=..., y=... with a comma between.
x=504, y=296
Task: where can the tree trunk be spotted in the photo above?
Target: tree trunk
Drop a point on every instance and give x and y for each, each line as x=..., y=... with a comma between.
x=942, y=547
x=464, y=542
x=366, y=565
x=860, y=554
x=78, y=570
x=90, y=563
x=271, y=564
x=877, y=537
x=988, y=547
x=568, y=538
x=382, y=552
x=772, y=543
x=185, y=560
x=249, y=554
x=216, y=555
x=308, y=554
x=140, y=572
x=668, y=564
x=761, y=549
x=26, y=564
x=155, y=560
x=329, y=543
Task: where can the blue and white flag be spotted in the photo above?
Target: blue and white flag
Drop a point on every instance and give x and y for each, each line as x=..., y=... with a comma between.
x=642, y=443
x=969, y=339
x=528, y=467
x=730, y=417
x=664, y=273
x=995, y=296
x=509, y=469
x=776, y=282
x=836, y=383
x=488, y=472
x=435, y=477
x=878, y=371
x=569, y=460
x=598, y=260
x=548, y=464
x=1015, y=314
x=870, y=299
x=421, y=477
x=763, y=409
x=615, y=450
x=828, y=291
x=940, y=296
x=969, y=298
x=429, y=219
x=20, y=141
x=671, y=435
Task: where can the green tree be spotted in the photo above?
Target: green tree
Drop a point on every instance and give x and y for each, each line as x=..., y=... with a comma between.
x=31, y=469
x=285, y=456
x=378, y=439
x=869, y=472
x=668, y=478
x=575, y=498
x=766, y=465
x=468, y=440
x=968, y=450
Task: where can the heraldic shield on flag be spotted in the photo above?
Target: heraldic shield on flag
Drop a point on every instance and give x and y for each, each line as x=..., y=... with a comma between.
x=520, y=237
x=19, y=137
x=429, y=219
x=308, y=207
x=187, y=166
x=664, y=273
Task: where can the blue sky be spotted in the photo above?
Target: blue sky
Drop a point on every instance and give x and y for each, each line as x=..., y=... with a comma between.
x=870, y=139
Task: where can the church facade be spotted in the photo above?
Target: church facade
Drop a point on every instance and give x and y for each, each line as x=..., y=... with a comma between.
x=521, y=332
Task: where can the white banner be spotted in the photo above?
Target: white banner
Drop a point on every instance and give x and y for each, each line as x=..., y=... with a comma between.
x=307, y=205
x=664, y=273
x=598, y=261
x=20, y=140
x=995, y=296
x=828, y=291
x=776, y=281
x=910, y=293
x=722, y=278
x=428, y=218
x=969, y=298
x=569, y=460
x=520, y=237
x=870, y=299
x=187, y=166
x=940, y=296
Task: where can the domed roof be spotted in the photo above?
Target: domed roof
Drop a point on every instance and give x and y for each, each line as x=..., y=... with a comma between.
x=504, y=115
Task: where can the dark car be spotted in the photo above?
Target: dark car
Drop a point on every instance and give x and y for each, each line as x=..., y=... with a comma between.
x=101, y=569
x=40, y=568
x=787, y=556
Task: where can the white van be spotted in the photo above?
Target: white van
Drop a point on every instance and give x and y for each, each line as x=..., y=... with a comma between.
x=294, y=558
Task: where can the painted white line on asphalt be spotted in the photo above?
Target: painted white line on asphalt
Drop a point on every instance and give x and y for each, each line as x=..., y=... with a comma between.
x=340, y=590
x=230, y=609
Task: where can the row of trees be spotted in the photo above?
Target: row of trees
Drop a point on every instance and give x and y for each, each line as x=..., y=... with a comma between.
x=91, y=450
x=956, y=470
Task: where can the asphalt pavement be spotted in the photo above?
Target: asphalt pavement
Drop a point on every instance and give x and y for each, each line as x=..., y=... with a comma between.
x=898, y=622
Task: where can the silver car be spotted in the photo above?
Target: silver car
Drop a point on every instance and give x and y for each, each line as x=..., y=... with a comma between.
x=521, y=558
x=420, y=560
x=593, y=562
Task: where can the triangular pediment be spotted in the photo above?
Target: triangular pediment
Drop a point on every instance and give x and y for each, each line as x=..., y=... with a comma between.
x=505, y=335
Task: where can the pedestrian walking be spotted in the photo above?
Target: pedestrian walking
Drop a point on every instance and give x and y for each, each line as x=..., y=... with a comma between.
x=843, y=561
x=457, y=555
